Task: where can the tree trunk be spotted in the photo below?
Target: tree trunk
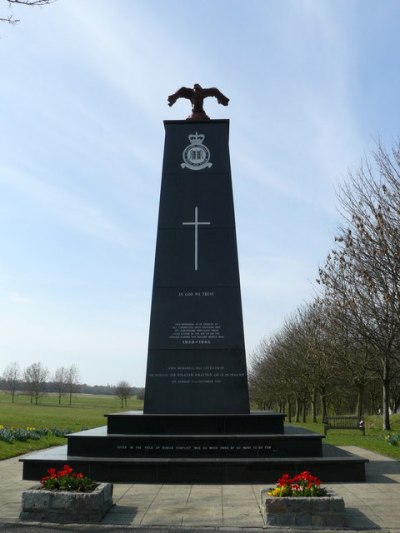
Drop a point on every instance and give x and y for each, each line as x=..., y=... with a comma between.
x=297, y=412
x=304, y=410
x=289, y=413
x=314, y=405
x=323, y=403
x=360, y=400
x=385, y=396
x=396, y=406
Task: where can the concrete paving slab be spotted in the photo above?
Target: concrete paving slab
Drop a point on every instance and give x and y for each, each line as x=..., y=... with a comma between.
x=152, y=508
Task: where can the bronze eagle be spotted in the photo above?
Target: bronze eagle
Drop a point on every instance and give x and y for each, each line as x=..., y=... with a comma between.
x=196, y=96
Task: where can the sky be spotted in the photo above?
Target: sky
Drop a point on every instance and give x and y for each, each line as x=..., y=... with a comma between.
x=313, y=85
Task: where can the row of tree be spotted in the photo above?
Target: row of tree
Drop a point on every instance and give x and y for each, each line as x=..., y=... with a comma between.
x=36, y=381
x=124, y=391
x=341, y=352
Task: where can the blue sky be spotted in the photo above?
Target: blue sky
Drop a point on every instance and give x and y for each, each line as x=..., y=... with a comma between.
x=312, y=85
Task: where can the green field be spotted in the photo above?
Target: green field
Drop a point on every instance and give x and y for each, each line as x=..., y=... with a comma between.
x=374, y=439
x=87, y=411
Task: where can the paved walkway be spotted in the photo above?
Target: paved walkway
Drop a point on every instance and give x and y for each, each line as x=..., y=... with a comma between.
x=373, y=506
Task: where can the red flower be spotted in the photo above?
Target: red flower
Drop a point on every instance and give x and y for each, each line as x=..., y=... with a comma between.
x=67, y=479
x=303, y=484
x=284, y=480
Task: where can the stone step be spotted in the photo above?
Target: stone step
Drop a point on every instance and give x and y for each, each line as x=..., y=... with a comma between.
x=97, y=443
x=334, y=466
x=135, y=422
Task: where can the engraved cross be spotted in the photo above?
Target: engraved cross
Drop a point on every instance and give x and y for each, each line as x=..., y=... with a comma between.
x=196, y=225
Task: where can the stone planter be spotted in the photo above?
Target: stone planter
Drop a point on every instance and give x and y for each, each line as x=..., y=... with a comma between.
x=326, y=511
x=66, y=507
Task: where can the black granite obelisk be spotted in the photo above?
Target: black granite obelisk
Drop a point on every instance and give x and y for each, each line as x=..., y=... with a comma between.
x=196, y=426
x=196, y=359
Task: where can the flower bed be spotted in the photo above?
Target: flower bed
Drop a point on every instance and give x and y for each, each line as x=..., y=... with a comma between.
x=301, y=485
x=67, y=497
x=10, y=434
x=393, y=439
x=301, y=501
x=68, y=480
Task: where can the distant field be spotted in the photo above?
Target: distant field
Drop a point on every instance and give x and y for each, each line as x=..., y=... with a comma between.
x=86, y=411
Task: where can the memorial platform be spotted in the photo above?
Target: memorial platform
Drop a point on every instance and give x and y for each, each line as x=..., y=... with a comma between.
x=197, y=458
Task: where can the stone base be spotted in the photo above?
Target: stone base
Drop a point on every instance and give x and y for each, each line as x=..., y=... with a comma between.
x=253, y=448
x=326, y=511
x=97, y=443
x=138, y=423
x=335, y=466
x=66, y=507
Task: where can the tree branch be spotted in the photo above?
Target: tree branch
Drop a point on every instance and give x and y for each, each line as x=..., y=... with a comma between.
x=11, y=19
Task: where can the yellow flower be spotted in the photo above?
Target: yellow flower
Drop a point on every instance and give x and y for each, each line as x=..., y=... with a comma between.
x=284, y=490
x=279, y=491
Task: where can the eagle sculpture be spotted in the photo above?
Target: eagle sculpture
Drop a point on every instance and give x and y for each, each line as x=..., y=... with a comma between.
x=196, y=96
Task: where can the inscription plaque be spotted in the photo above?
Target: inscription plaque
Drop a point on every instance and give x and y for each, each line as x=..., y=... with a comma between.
x=196, y=358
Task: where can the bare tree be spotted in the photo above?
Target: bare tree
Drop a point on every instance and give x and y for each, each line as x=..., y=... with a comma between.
x=299, y=366
x=11, y=376
x=72, y=381
x=60, y=380
x=123, y=391
x=395, y=393
x=35, y=377
x=309, y=341
x=352, y=354
x=140, y=394
x=11, y=20
x=279, y=376
x=362, y=273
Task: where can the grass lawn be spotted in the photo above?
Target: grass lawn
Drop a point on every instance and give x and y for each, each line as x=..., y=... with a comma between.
x=86, y=411
x=374, y=439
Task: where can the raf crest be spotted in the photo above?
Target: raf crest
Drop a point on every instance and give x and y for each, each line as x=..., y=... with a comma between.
x=196, y=156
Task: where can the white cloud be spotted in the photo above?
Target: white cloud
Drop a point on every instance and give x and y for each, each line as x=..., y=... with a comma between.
x=18, y=298
x=127, y=54
x=63, y=206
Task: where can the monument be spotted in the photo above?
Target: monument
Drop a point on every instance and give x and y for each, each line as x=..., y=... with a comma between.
x=196, y=358
x=196, y=425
